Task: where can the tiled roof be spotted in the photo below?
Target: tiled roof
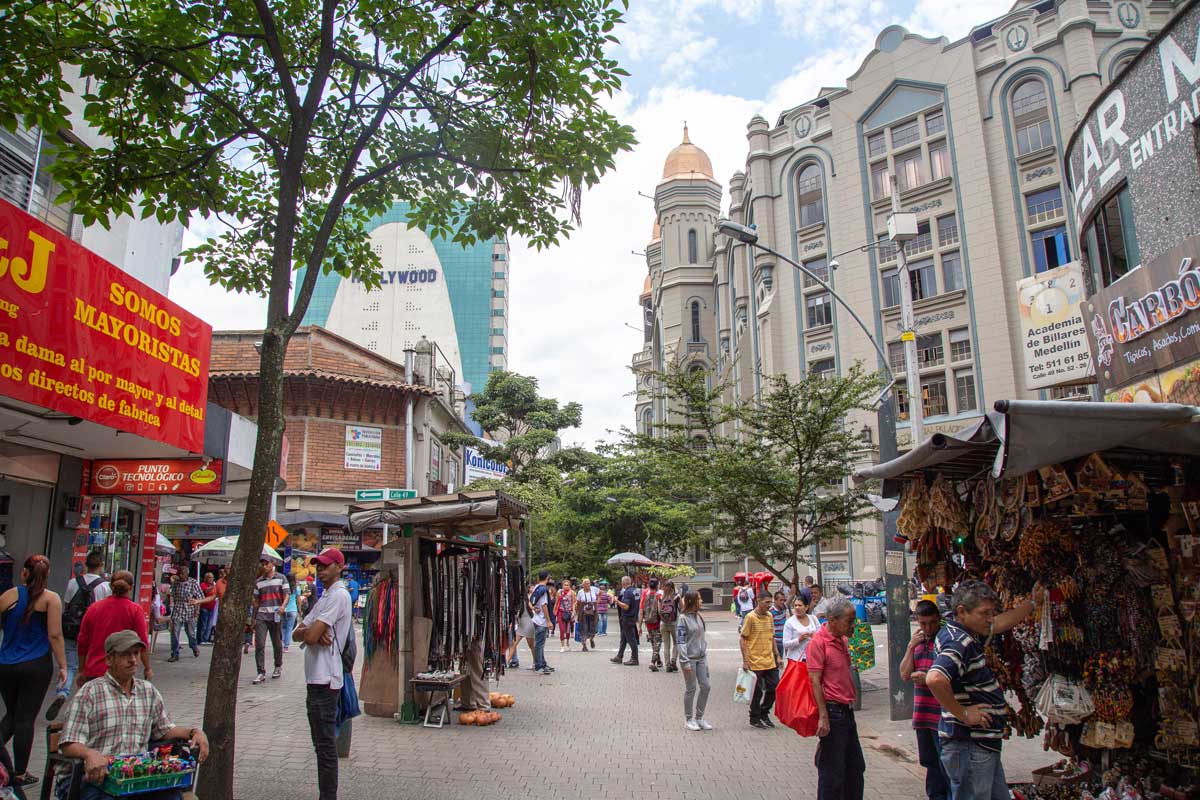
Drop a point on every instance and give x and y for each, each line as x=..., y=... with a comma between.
x=322, y=375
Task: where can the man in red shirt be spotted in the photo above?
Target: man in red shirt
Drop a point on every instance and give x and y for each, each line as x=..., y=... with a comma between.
x=840, y=762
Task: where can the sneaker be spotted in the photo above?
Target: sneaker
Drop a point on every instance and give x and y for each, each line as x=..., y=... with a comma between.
x=692, y=725
x=260, y=678
x=54, y=708
x=615, y=659
x=704, y=724
x=172, y=659
x=514, y=664
x=562, y=648
x=767, y=722
x=757, y=723
x=277, y=673
x=653, y=667
x=546, y=671
x=631, y=663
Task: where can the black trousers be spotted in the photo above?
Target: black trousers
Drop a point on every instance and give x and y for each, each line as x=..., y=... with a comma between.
x=763, y=698
x=23, y=687
x=629, y=635
x=929, y=753
x=840, y=762
x=322, y=705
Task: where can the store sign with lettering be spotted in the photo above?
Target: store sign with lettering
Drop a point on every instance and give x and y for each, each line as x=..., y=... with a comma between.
x=157, y=476
x=1149, y=320
x=341, y=538
x=1053, y=337
x=81, y=337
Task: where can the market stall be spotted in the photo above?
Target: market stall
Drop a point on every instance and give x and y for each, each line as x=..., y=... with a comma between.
x=1100, y=504
x=445, y=602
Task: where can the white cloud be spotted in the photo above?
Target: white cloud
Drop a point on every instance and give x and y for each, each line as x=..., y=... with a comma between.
x=953, y=18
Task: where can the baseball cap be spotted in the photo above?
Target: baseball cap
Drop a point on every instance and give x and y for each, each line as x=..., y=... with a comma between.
x=330, y=555
x=122, y=641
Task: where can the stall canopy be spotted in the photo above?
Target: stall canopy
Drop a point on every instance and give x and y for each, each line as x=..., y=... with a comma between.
x=1023, y=435
x=466, y=512
x=630, y=560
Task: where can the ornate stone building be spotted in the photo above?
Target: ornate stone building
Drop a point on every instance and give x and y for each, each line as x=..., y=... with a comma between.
x=974, y=132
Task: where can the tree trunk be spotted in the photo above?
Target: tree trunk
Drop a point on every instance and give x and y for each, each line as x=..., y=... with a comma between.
x=220, y=702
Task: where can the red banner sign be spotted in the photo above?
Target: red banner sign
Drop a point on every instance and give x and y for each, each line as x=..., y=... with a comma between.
x=156, y=476
x=79, y=336
x=146, y=580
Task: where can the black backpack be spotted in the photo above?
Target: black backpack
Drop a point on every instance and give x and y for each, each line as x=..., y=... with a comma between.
x=72, y=615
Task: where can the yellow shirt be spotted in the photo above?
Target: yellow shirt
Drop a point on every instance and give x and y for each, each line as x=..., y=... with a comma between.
x=759, y=633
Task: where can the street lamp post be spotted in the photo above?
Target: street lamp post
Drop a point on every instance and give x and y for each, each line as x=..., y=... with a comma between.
x=900, y=696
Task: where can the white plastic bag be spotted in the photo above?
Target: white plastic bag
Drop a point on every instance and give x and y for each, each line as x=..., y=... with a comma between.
x=743, y=690
x=1064, y=701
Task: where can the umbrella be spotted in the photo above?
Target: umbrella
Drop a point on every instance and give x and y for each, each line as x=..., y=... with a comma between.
x=630, y=560
x=163, y=546
x=220, y=551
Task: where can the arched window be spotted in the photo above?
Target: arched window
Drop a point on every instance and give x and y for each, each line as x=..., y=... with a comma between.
x=698, y=382
x=1121, y=63
x=696, y=321
x=1031, y=117
x=648, y=421
x=808, y=196
x=693, y=251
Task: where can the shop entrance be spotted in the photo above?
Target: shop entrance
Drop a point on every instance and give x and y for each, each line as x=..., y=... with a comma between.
x=117, y=532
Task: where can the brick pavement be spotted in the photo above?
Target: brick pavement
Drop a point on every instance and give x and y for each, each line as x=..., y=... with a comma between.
x=592, y=729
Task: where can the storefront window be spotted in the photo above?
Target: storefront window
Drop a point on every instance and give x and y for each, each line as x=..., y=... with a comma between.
x=1110, y=240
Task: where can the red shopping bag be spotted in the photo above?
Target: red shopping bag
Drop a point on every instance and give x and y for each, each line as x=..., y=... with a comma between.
x=795, y=705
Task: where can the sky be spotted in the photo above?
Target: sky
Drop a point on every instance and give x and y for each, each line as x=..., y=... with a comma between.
x=574, y=319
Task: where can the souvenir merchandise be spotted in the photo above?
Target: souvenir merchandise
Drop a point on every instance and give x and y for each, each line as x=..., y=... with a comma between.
x=1107, y=669
x=143, y=772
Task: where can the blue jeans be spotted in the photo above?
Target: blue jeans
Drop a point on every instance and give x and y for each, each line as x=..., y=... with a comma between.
x=539, y=646
x=189, y=626
x=602, y=624
x=289, y=625
x=975, y=772
x=72, y=650
x=203, y=623
x=929, y=753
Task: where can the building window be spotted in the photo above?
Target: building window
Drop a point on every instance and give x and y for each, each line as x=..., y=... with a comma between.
x=876, y=144
x=820, y=309
x=947, y=230
x=939, y=161
x=808, y=193
x=920, y=243
x=1031, y=117
x=1043, y=206
x=930, y=352
x=696, y=321
x=823, y=368
x=498, y=275
x=25, y=160
x=904, y=134
x=885, y=247
x=901, y=403
x=935, y=122
x=704, y=552
x=896, y=356
x=881, y=183
x=820, y=268
x=692, y=247
x=960, y=344
x=497, y=331
x=497, y=293
x=498, y=257
x=497, y=312
x=922, y=276
x=647, y=421
x=952, y=274
x=964, y=390
x=1077, y=392
x=909, y=172
x=1050, y=248
x=497, y=351
x=1112, y=246
x=891, y=288
x=933, y=396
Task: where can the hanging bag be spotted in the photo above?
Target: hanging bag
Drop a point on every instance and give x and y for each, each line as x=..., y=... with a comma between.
x=348, y=705
x=743, y=690
x=795, y=705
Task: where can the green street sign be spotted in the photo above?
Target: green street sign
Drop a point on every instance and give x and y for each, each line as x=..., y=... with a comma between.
x=367, y=495
x=401, y=494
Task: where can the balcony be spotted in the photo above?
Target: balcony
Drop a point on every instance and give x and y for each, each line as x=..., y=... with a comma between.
x=697, y=347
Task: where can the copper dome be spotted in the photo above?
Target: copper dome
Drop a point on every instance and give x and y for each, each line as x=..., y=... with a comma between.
x=687, y=159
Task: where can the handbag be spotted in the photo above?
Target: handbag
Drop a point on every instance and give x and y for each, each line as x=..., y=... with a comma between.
x=743, y=690
x=795, y=705
x=348, y=706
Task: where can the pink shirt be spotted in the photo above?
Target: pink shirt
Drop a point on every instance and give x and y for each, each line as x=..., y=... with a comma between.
x=829, y=654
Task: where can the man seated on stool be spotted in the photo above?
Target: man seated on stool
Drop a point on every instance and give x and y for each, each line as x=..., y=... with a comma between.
x=118, y=714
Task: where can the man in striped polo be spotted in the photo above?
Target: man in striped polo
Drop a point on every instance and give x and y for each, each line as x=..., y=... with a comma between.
x=270, y=598
x=927, y=713
x=971, y=732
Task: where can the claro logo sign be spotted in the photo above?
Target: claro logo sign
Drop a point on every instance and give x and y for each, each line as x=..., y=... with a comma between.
x=1110, y=143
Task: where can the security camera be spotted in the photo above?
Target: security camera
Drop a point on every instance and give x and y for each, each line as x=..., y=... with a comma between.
x=833, y=265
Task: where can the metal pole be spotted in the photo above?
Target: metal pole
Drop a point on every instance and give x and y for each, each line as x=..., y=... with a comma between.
x=908, y=337
x=409, y=354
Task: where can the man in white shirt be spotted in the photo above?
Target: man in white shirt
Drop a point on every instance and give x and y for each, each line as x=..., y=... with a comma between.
x=322, y=634
x=585, y=611
x=95, y=588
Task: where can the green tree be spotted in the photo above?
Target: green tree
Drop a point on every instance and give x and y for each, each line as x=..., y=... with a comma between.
x=522, y=422
x=295, y=122
x=771, y=475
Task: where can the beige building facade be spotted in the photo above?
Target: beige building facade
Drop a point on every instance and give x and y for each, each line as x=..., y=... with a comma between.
x=973, y=132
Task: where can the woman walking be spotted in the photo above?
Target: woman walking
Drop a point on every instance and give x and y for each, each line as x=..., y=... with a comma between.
x=602, y=604
x=585, y=611
x=104, y=618
x=31, y=617
x=798, y=630
x=693, y=660
x=565, y=607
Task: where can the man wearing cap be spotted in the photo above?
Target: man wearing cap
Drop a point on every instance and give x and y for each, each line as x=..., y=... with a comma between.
x=322, y=633
x=118, y=714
